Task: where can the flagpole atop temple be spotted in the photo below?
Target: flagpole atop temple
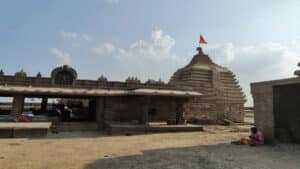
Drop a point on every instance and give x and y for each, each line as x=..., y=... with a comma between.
x=202, y=42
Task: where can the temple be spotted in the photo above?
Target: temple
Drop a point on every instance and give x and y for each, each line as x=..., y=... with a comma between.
x=201, y=92
x=222, y=96
x=108, y=102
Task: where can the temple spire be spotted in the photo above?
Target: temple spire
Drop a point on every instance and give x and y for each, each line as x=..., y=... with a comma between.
x=202, y=42
x=201, y=57
x=200, y=51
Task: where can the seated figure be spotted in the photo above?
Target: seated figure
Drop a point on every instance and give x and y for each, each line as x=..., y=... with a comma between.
x=256, y=138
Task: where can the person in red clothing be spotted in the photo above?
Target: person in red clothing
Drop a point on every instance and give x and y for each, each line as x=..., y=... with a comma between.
x=23, y=118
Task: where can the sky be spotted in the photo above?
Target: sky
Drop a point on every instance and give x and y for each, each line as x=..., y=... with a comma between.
x=257, y=39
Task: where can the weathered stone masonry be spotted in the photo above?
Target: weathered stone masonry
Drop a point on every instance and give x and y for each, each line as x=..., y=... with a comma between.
x=276, y=109
x=222, y=95
x=129, y=102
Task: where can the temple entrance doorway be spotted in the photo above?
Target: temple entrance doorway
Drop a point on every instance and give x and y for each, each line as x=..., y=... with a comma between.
x=286, y=112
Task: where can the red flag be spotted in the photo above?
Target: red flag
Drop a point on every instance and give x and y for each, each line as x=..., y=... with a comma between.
x=202, y=40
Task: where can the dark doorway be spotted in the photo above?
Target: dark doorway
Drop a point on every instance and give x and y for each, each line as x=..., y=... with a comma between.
x=287, y=112
x=152, y=113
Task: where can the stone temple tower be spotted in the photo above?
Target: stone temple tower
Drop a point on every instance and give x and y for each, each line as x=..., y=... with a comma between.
x=222, y=97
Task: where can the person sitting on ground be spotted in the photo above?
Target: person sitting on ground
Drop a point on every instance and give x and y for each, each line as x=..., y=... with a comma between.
x=256, y=138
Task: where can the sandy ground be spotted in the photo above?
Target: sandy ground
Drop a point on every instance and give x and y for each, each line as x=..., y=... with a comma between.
x=204, y=150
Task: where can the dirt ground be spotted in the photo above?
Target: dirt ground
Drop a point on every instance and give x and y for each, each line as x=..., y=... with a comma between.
x=210, y=149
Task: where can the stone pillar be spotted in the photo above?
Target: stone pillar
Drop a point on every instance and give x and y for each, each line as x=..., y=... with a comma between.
x=172, y=111
x=145, y=104
x=100, y=112
x=18, y=105
x=44, y=104
x=179, y=111
x=92, y=109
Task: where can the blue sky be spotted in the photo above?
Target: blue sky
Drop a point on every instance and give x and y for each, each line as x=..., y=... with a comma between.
x=257, y=39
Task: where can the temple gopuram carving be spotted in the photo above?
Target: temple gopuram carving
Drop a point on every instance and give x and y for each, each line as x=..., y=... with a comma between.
x=222, y=98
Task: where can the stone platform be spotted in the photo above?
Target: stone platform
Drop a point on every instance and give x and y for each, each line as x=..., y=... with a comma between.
x=78, y=126
x=23, y=130
x=152, y=128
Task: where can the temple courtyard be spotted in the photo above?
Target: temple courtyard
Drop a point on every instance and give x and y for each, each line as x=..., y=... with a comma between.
x=210, y=149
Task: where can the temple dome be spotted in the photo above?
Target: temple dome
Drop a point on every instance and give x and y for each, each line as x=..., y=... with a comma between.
x=39, y=75
x=21, y=73
x=64, y=75
x=102, y=78
x=222, y=96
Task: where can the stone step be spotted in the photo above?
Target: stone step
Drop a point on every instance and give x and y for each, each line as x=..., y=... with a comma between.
x=78, y=126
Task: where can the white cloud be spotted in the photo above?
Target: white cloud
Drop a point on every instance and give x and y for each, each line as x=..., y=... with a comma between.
x=161, y=41
x=68, y=35
x=73, y=35
x=144, y=58
x=62, y=57
x=157, y=49
x=86, y=37
x=258, y=62
x=104, y=49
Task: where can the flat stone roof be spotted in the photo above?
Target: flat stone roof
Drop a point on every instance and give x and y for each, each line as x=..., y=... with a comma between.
x=277, y=82
x=11, y=90
x=165, y=92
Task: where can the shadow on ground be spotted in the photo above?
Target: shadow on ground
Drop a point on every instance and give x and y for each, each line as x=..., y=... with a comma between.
x=94, y=134
x=220, y=156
